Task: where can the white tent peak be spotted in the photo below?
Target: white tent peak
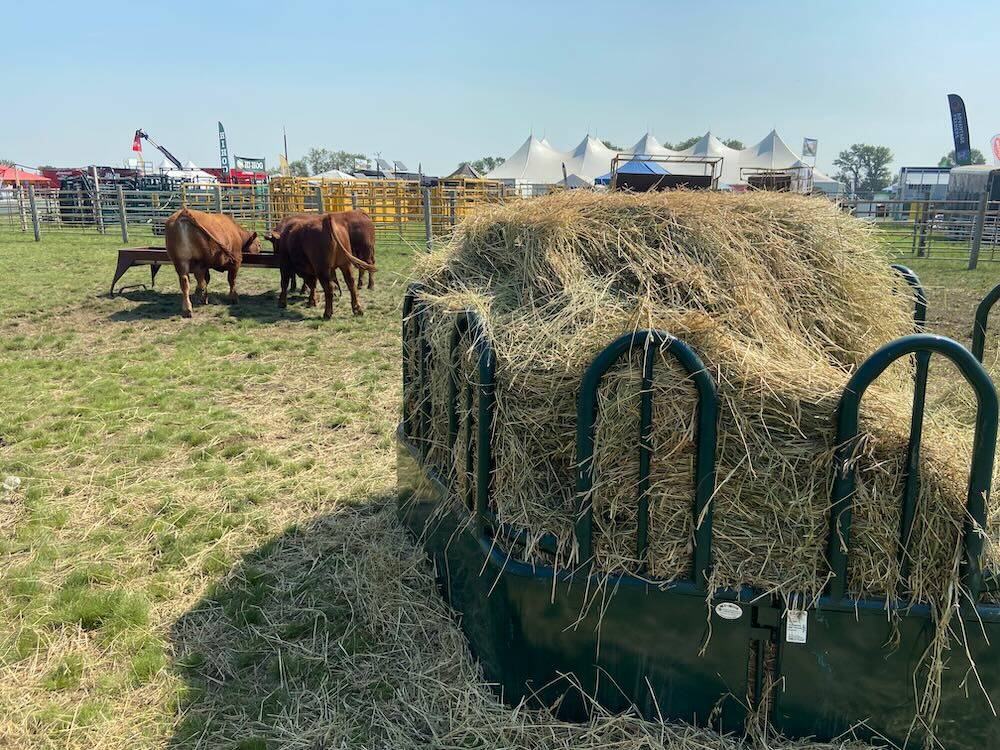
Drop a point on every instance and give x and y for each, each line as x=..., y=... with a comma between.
x=647, y=145
x=534, y=161
x=590, y=159
x=770, y=153
x=709, y=145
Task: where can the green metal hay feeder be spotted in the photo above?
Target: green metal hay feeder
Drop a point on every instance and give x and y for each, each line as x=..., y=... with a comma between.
x=839, y=668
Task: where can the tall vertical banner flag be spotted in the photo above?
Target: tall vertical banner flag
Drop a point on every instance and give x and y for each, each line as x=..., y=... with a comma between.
x=137, y=142
x=223, y=153
x=995, y=148
x=809, y=146
x=960, y=130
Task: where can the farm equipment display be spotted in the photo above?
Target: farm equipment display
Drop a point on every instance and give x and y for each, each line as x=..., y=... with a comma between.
x=675, y=649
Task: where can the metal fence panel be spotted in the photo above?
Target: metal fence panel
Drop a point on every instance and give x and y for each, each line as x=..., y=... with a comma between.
x=942, y=229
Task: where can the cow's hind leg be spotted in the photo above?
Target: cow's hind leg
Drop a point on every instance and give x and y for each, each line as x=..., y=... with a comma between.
x=348, y=273
x=185, y=294
x=182, y=268
x=233, y=296
x=310, y=281
x=202, y=289
x=286, y=276
x=324, y=279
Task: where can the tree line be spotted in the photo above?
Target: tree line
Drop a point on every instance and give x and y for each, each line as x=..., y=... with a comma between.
x=319, y=160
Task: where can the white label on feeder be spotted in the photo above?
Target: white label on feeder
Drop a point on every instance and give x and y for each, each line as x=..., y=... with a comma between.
x=729, y=611
x=796, y=626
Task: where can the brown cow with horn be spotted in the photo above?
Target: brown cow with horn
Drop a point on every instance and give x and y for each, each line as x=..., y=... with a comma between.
x=199, y=241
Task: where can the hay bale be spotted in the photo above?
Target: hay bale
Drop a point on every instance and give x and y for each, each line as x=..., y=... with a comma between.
x=782, y=297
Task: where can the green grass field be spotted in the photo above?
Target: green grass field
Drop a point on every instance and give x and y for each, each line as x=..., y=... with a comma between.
x=156, y=454
x=199, y=500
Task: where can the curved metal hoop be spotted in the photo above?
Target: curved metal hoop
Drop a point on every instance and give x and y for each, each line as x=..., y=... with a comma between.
x=980, y=474
x=649, y=341
x=982, y=320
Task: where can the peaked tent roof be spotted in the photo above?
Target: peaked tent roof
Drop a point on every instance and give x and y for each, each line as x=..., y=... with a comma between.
x=574, y=181
x=335, y=174
x=823, y=181
x=710, y=146
x=466, y=170
x=824, y=177
x=649, y=146
x=769, y=153
x=533, y=162
x=590, y=158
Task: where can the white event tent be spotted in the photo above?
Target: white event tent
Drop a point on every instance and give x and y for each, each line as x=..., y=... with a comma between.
x=537, y=162
x=589, y=159
x=190, y=173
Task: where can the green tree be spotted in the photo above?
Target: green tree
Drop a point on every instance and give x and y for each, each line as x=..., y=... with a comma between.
x=6, y=163
x=689, y=142
x=298, y=168
x=323, y=160
x=948, y=160
x=612, y=146
x=681, y=145
x=487, y=163
x=865, y=167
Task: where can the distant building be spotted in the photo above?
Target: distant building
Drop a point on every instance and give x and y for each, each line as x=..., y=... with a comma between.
x=923, y=183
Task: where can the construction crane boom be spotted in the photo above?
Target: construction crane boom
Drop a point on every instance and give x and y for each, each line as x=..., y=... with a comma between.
x=140, y=133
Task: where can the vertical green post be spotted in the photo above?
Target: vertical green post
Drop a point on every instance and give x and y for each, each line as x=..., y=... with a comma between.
x=36, y=225
x=977, y=231
x=122, y=215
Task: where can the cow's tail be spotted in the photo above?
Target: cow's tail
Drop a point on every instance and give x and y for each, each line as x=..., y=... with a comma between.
x=356, y=262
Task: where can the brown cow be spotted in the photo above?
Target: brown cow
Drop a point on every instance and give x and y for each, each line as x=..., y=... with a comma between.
x=199, y=241
x=274, y=237
x=362, y=232
x=314, y=246
x=308, y=283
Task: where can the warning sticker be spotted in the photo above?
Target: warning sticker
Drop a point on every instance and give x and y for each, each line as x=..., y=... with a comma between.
x=796, y=626
x=729, y=610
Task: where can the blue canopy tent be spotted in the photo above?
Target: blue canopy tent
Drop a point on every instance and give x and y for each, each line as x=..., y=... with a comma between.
x=635, y=166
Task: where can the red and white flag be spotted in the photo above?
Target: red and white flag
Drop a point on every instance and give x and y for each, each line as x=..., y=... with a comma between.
x=137, y=143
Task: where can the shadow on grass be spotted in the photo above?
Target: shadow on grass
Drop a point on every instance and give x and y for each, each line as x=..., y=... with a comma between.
x=282, y=651
x=263, y=307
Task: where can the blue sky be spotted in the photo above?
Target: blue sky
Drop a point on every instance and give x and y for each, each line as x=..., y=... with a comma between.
x=440, y=82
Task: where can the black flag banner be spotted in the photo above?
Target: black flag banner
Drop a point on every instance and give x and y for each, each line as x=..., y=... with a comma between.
x=960, y=129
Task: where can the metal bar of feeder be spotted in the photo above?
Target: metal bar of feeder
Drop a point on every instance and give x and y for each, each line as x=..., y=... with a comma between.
x=645, y=452
x=586, y=415
x=981, y=321
x=980, y=474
